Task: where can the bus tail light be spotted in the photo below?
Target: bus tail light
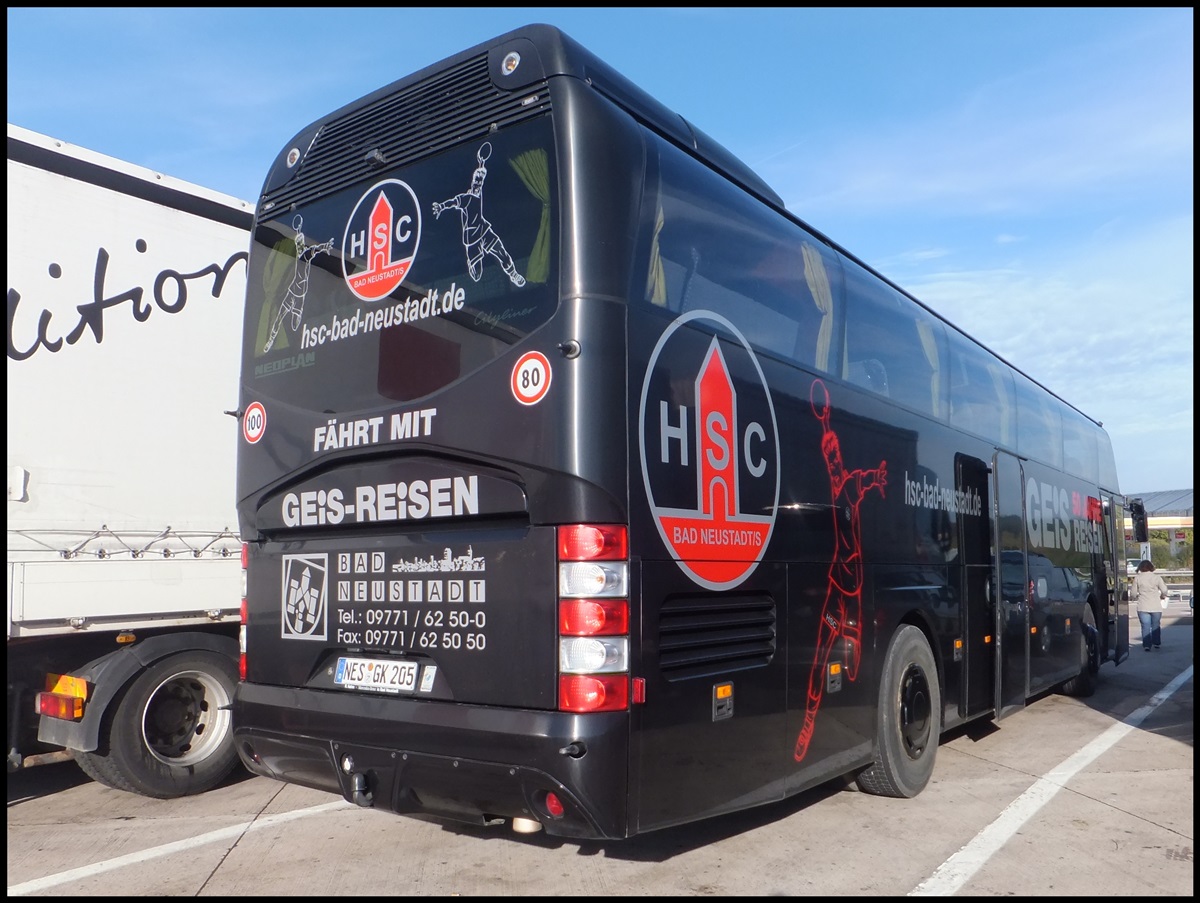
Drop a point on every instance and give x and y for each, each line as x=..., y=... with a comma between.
x=587, y=655
x=593, y=692
x=593, y=618
x=592, y=542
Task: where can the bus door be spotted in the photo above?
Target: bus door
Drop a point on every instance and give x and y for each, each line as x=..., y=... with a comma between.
x=977, y=610
x=1011, y=575
x=1115, y=610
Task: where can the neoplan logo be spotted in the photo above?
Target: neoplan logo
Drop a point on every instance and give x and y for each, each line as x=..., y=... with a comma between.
x=709, y=447
x=381, y=239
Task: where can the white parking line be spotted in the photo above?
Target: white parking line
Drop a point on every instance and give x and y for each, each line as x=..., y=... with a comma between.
x=956, y=871
x=179, y=846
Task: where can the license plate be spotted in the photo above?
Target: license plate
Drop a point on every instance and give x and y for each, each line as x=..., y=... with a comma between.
x=375, y=675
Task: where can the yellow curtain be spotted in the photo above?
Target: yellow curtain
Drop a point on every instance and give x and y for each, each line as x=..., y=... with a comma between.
x=534, y=170
x=656, y=279
x=818, y=285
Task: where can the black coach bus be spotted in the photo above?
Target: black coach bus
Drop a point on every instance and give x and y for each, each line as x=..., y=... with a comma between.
x=585, y=488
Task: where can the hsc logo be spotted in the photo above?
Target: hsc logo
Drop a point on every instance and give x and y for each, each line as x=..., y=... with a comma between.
x=381, y=239
x=710, y=449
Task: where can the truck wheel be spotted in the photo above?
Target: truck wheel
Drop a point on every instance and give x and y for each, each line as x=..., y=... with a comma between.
x=1083, y=684
x=909, y=724
x=170, y=732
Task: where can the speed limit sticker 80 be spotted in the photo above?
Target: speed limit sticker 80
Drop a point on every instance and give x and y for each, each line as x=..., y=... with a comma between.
x=531, y=378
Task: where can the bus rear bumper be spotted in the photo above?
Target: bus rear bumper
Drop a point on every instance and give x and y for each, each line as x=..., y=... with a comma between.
x=470, y=764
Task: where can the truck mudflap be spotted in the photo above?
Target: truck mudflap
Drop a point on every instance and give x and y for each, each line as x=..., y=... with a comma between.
x=395, y=755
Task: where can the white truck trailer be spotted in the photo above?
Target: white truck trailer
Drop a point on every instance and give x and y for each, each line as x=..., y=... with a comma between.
x=125, y=292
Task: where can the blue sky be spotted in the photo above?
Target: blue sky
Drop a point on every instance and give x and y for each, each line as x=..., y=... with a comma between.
x=1028, y=173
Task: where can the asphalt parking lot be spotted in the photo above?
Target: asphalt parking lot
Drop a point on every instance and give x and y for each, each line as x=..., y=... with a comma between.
x=1067, y=797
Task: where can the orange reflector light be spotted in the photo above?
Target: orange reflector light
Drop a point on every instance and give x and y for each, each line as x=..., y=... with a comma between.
x=593, y=617
x=958, y=644
x=723, y=691
x=59, y=705
x=593, y=692
x=835, y=667
x=554, y=806
x=593, y=542
x=66, y=685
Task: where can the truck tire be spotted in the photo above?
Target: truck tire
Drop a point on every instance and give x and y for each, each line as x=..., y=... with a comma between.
x=169, y=733
x=909, y=722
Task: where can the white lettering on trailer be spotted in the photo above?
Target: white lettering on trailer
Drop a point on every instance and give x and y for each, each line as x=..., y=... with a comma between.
x=383, y=502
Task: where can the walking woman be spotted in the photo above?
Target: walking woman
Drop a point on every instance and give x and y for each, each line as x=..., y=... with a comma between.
x=1149, y=591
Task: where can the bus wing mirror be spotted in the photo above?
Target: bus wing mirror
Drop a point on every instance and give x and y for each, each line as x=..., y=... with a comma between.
x=1137, y=513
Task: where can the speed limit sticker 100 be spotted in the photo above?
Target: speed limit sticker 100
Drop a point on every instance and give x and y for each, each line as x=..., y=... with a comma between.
x=531, y=378
x=254, y=422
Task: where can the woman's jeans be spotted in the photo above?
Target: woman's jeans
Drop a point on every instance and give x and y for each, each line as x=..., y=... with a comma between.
x=1151, y=632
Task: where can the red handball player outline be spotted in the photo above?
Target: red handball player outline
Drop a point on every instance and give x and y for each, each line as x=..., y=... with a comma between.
x=841, y=615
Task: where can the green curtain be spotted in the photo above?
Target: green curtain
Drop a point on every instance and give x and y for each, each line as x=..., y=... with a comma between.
x=534, y=170
x=276, y=274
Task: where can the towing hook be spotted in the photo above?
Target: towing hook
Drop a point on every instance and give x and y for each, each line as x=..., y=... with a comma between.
x=574, y=749
x=359, y=792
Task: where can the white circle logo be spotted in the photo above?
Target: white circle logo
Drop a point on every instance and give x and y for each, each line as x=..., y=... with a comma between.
x=710, y=449
x=381, y=239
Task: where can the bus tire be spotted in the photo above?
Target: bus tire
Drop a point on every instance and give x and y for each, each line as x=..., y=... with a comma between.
x=1083, y=684
x=169, y=733
x=909, y=722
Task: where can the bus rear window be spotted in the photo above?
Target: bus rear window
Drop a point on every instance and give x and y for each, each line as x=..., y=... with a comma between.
x=394, y=289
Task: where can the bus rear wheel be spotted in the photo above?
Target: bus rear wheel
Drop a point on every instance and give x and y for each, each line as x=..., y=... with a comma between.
x=170, y=734
x=909, y=724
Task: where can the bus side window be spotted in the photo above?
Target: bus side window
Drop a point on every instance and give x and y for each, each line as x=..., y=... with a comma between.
x=776, y=283
x=1080, y=453
x=1039, y=425
x=870, y=374
x=892, y=341
x=980, y=394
